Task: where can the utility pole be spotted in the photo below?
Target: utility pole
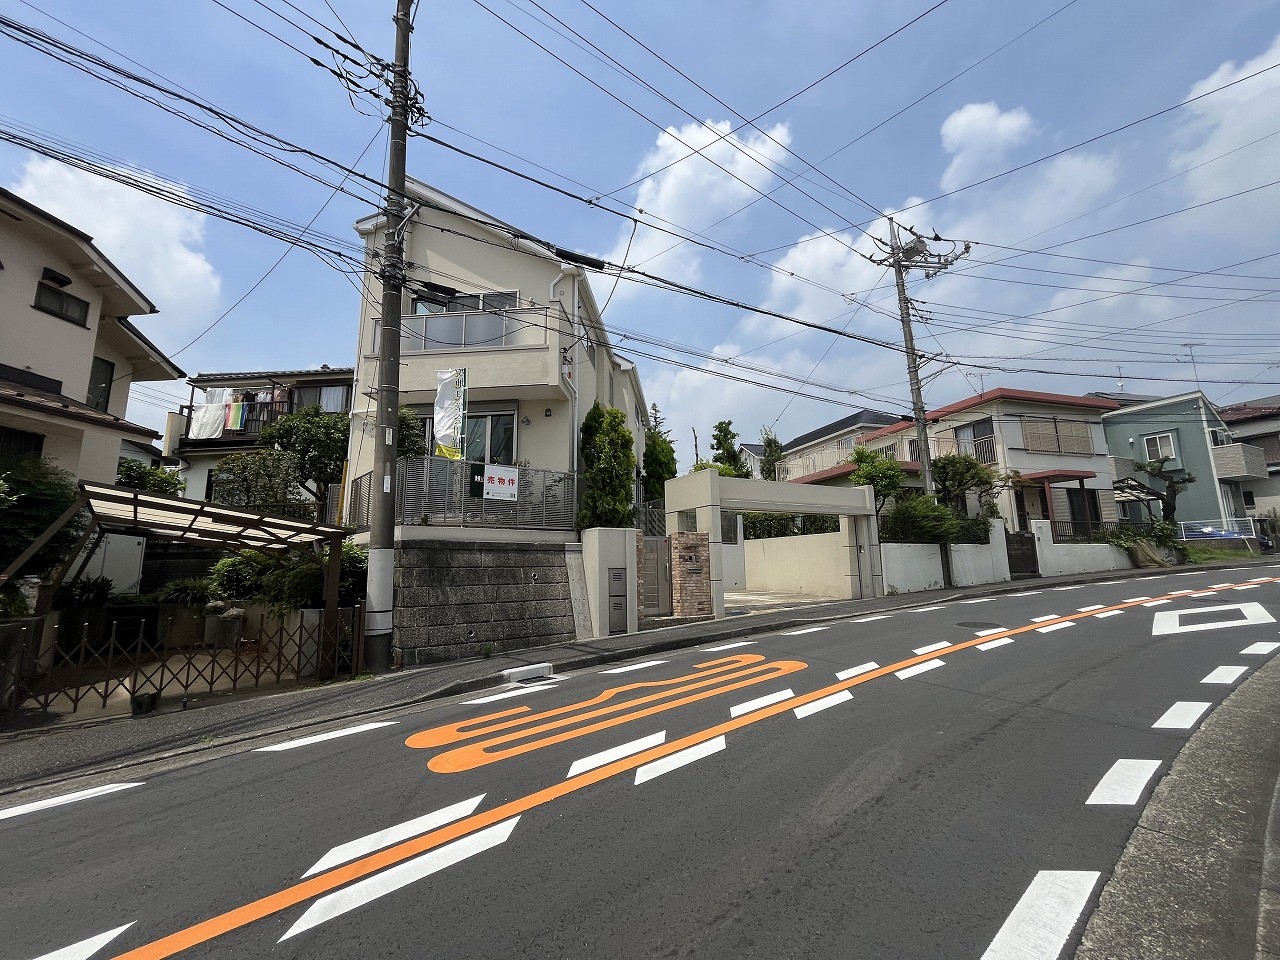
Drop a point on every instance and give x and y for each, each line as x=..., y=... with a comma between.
x=915, y=254
x=380, y=599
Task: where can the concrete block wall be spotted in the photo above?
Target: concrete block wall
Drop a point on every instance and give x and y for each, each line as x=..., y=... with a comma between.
x=456, y=599
x=691, y=575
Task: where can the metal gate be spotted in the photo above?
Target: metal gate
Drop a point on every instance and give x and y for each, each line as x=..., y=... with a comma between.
x=1022, y=555
x=655, y=575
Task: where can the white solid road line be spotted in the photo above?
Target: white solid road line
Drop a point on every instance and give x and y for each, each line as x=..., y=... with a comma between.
x=388, y=881
x=1183, y=715
x=796, y=633
x=1044, y=917
x=66, y=798
x=1108, y=613
x=728, y=646
x=332, y=735
x=677, y=760
x=617, y=753
x=837, y=698
x=354, y=849
x=858, y=670
x=508, y=694
x=992, y=644
x=768, y=700
x=918, y=668
x=878, y=616
x=636, y=666
x=1123, y=783
x=1226, y=675
x=1261, y=648
x=86, y=948
x=941, y=644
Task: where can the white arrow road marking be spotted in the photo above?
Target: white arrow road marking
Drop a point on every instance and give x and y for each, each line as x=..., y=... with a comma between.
x=1261, y=648
x=941, y=644
x=67, y=798
x=768, y=700
x=510, y=693
x=918, y=668
x=796, y=633
x=1123, y=783
x=1226, y=675
x=992, y=644
x=858, y=670
x=1169, y=621
x=728, y=646
x=677, y=760
x=618, y=752
x=1045, y=916
x=636, y=666
x=321, y=737
x=86, y=948
x=1181, y=716
x=353, y=849
x=837, y=698
x=401, y=875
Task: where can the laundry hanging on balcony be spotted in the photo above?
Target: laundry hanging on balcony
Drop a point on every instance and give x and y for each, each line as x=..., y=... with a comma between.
x=208, y=418
x=237, y=412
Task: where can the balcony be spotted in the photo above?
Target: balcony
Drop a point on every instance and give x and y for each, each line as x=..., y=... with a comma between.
x=470, y=330
x=903, y=449
x=240, y=428
x=1240, y=461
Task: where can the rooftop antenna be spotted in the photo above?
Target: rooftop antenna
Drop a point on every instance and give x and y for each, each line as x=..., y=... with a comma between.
x=1120, y=381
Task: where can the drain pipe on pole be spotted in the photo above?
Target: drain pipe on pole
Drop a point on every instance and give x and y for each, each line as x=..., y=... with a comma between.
x=573, y=272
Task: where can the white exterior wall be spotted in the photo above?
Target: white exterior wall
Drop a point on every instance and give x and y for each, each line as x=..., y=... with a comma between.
x=975, y=563
x=1056, y=559
x=911, y=567
x=809, y=565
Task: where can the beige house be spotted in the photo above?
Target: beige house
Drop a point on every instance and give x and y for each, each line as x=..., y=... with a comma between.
x=520, y=316
x=1053, y=442
x=68, y=352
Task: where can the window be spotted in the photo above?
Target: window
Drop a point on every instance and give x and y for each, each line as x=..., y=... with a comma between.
x=1160, y=445
x=19, y=443
x=491, y=438
x=1220, y=437
x=1248, y=499
x=440, y=320
x=1050, y=435
x=101, y=375
x=330, y=399
x=61, y=304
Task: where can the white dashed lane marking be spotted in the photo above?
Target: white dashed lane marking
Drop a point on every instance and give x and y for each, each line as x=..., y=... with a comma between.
x=1183, y=715
x=878, y=616
x=929, y=648
x=66, y=798
x=768, y=700
x=354, y=849
x=992, y=644
x=796, y=633
x=508, y=694
x=837, y=698
x=1225, y=675
x=1261, y=648
x=86, y=948
x=728, y=646
x=618, y=752
x=918, y=669
x=677, y=760
x=980, y=600
x=1108, y=613
x=858, y=670
x=331, y=735
x=636, y=666
x=1051, y=616
x=1123, y=783
x=1044, y=917
x=1088, y=609
x=926, y=609
x=1134, y=599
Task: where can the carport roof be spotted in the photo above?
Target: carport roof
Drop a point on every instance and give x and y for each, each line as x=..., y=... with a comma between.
x=123, y=510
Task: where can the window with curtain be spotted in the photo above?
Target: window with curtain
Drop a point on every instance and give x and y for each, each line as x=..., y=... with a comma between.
x=1049, y=435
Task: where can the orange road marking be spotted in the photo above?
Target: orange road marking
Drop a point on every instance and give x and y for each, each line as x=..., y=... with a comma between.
x=339, y=876
x=491, y=750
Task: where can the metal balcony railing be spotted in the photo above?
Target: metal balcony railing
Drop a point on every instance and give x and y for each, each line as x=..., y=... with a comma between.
x=903, y=449
x=244, y=424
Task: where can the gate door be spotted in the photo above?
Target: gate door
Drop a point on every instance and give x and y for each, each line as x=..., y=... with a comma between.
x=655, y=574
x=1022, y=555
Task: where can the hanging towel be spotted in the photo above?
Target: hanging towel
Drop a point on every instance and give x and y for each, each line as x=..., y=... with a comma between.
x=236, y=415
x=208, y=418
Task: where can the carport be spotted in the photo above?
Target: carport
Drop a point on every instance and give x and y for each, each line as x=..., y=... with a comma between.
x=695, y=501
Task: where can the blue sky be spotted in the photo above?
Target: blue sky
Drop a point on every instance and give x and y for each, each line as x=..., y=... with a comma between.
x=1091, y=67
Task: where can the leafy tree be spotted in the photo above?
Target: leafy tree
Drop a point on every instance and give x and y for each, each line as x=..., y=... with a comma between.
x=411, y=439
x=608, y=483
x=885, y=477
x=771, y=455
x=38, y=493
x=722, y=468
x=659, y=463
x=657, y=423
x=724, y=447
x=956, y=475
x=137, y=475
x=588, y=432
x=317, y=441
x=289, y=580
x=257, y=477
x=915, y=518
x=6, y=498
x=1175, y=481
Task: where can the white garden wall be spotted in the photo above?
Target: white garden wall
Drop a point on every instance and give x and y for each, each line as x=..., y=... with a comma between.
x=811, y=565
x=1056, y=559
x=911, y=567
x=975, y=563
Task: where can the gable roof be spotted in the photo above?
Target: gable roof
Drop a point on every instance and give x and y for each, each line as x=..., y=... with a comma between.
x=1258, y=409
x=868, y=417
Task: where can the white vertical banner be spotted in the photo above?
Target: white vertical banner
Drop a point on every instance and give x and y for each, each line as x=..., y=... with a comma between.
x=450, y=415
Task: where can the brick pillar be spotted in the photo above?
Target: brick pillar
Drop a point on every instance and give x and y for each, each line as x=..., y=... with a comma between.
x=691, y=575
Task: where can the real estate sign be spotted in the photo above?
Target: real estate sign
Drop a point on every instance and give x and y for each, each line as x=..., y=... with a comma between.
x=501, y=483
x=451, y=413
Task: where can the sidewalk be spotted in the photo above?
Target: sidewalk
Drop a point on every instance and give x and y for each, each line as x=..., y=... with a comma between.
x=1199, y=877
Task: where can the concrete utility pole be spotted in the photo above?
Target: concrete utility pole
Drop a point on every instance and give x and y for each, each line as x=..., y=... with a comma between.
x=380, y=598
x=903, y=257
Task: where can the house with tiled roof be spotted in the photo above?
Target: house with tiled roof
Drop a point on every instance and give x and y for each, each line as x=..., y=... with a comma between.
x=68, y=349
x=1052, y=443
x=1257, y=423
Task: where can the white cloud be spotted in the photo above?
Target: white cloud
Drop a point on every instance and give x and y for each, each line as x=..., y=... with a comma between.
x=979, y=136
x=695, y=191
x=156, y=244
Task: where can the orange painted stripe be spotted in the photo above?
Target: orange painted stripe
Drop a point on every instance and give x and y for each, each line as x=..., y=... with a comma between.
x=323, y=883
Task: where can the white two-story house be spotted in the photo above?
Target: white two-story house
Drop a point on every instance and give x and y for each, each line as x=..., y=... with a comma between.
x=68, y=350
x=519, y=315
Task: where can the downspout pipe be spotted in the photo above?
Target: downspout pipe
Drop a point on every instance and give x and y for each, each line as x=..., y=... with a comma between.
x=573, y=272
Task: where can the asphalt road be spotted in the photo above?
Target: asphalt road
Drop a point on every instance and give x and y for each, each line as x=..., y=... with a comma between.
x=949, y=782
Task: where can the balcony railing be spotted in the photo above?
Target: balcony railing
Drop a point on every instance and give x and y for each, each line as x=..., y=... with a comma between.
x=903, y=450
x=435, y=490
x=470, y=330
x=244, y=424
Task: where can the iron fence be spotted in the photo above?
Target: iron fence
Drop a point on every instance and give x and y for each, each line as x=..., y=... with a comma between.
x=1225, y=528
x=436, y=490
x=110, y=661
x=1096, y=531
x=651, y=518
